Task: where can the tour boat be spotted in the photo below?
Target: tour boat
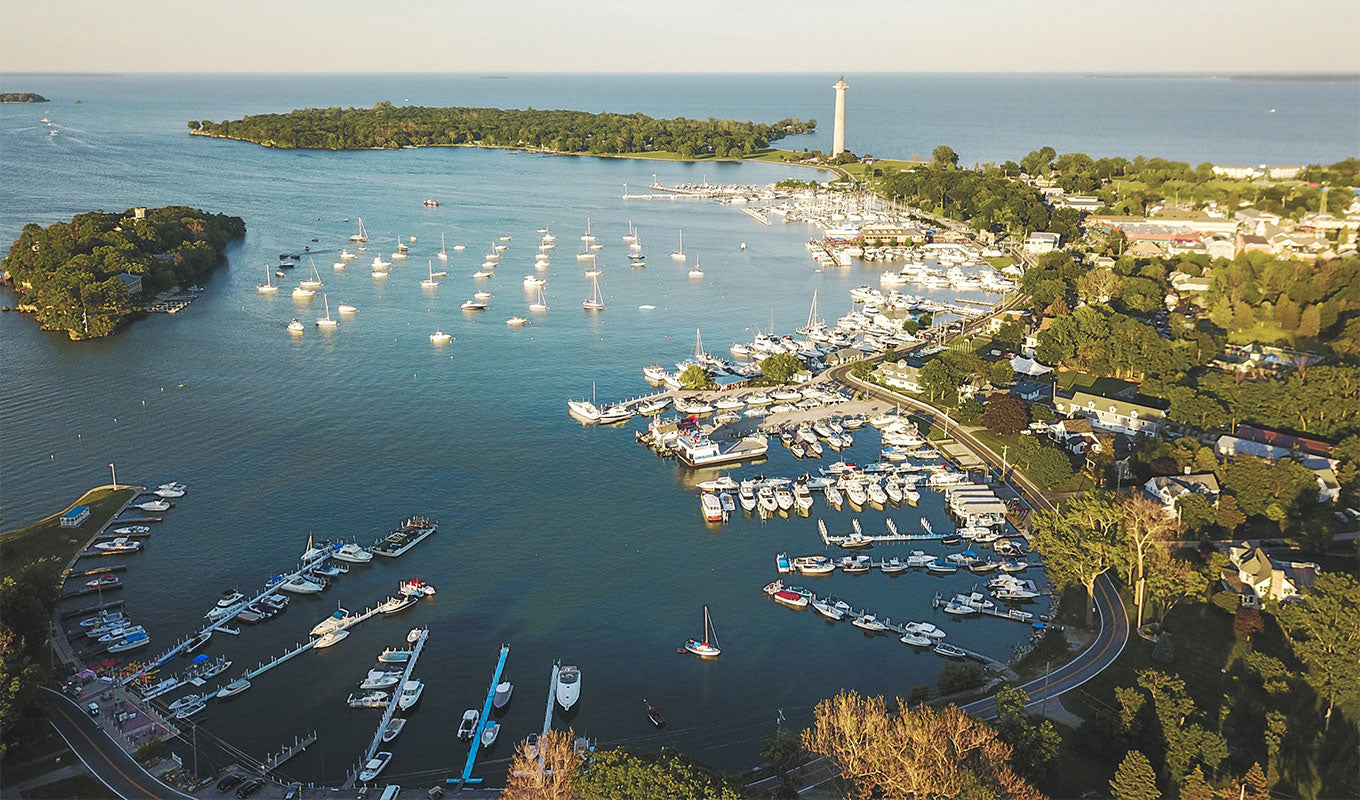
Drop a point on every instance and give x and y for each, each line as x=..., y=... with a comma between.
x=410, y=694
x=268, y=286
x=515, y=322
x=568, y=686
x=375, y=765
x=326, y=321
x=430, y=282
x=234, y=688
x=679, y=254
x=443, y=254
x=501, y=699
x=393, y=729
x=489, y=734
x=468, y=727
x=334, y=637
x=362, y=235
x=595, y=302
x=708, y=646
x=439, y=337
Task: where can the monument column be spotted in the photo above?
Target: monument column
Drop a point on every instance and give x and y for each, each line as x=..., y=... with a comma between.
x=838, y=133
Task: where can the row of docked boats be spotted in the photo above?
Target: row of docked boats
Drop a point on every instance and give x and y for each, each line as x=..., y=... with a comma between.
x=114, y=631
x=916, y=634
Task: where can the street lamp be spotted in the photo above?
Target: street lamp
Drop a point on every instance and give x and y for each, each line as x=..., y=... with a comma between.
x=115, y=476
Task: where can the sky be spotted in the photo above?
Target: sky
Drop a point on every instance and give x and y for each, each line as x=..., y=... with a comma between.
x=500, y=36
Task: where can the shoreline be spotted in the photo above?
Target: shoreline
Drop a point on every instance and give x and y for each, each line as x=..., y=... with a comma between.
x=663, y=155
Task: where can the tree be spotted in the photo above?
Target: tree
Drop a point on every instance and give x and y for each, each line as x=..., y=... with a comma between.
x=1185, y=742
x=783, y=752
x=1134, y=779
x=860, y=369
x=553, y=779
x=944, y=155
x=1049, y=466
x=1195, y=511
x=958, y=677
x=1034, y=741
x=1145, y=526
x=1196, y=788
x=1005, y=414
x=1324, y=632
x=779, y=368
x=969, y=411
x=1009, y=336
x=1257, y=788
x=1081, y=541
x=1226, y=516
x=1001, y=373
x=696, y=377
x=620, y=774
x=918, y=752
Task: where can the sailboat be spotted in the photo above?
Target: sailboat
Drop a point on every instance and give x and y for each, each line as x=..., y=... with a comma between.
x=430, y=282
x=679, y=255
x=595, y=302
x=268, y=286
x=400, y=252
x=631, y=236
x=708, y=646
x=695, y=271
x=539, y=304
x=594, y=270
x=362, y=235
x=813, y=324
x=313, y=282
x=326, y=321
x=443, y=253
x=587, y=237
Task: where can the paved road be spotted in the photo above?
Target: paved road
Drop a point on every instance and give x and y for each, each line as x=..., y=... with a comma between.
x=102, y=755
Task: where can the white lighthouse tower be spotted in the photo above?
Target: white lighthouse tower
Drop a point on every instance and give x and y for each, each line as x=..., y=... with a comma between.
x=838, y=133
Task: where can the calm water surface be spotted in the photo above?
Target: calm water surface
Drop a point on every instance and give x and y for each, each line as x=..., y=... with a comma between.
x=568, y=542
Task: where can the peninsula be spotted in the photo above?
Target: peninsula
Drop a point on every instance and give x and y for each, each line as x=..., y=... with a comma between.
x=88, y=276
x=387, y=126
x=22, y=97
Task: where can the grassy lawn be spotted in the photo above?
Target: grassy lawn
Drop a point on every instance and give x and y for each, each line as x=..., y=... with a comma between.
x=47, y=539
x=999, y=262
x=1266, y=332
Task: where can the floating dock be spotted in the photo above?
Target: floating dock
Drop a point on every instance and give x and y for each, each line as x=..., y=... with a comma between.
x=552, y=698
x=391, y=709
x=467, y=778
x=300, y=743
x=859, y=536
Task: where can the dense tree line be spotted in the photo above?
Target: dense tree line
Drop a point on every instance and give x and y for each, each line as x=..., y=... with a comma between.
x=985, y=199
x=28, y=598
x=389, y=126
x=66, y=273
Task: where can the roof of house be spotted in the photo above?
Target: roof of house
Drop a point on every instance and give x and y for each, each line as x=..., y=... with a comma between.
x=75, y=512
x=1201, y=483
x=1076, y=425
x=1313, y=446
x=1145, y=406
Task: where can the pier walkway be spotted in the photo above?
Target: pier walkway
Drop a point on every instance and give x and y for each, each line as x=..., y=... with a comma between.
x=392, y=705
x=482, y=721
x=875, y=538
x=263, y=667
x=552, y=698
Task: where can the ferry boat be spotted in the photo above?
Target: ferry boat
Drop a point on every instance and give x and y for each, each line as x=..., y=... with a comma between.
x=412, y=531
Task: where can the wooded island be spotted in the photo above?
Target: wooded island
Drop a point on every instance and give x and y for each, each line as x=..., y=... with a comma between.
x=386, y=126
x=22, y=97
x=86, y=276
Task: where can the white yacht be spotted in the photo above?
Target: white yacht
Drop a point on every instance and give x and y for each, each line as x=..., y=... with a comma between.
x=439, y=337
x=303, y=293
x=374, y=766
x=568, y=686
x=515, y=322
x=346, y=308
x=353, y=553
x=296, y=327
x=346, y=255
x=532, y=281
x=473, y=305
x=300, y=584
x=410, y=694
x=378, y=263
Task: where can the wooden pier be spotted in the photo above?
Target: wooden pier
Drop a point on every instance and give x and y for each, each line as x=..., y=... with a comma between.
x=391, y=709
x=859, y=536
x=552, y=698
x=300, y=743
x=91, y=610
x=87, y=590
x=485, y=717
x=996, y=611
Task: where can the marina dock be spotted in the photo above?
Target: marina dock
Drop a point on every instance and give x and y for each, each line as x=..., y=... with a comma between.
x=91, y=610
x=262, y=668
x=891, y=536
x=484, y=719
x=300, y=743
x=552, y=698
x=391, y=705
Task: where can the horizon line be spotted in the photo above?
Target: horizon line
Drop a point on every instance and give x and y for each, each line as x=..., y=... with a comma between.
x=1222, y=73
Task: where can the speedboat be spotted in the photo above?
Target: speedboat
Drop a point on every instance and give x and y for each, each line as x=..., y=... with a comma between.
x=394, y=604
x=489, y=734
x=393, y=655
x=869, y=623
x=828, y=610
x=170, y=491
x=132, y=530
x=119, y=545
x=746, y=494
x=568, y=686
x=950, y=651
x=375, y=765
x=153, y=505
x=233, y=689
x=337, y=620
x=381, y=678
x=504, y=690
x=416, y=588
x=185, y=701
x=393, y=729
x=410, y=694
x=468, y=727
x=915, y=640
x=439, y=337
x=334, y=637
x=190, y=710
x=367, y=698
x=791, y=599
x=353, y=553
x=134, y=641
x=473, y=305
x=300, y=584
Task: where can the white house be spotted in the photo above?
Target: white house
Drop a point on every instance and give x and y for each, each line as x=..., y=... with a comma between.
x=1042, y=242
x=1257, y=577
x=1167, y=489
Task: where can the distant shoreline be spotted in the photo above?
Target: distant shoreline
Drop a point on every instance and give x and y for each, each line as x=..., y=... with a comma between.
x=1301, y=77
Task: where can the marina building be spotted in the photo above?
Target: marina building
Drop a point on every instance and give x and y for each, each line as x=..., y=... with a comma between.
x=74, y=517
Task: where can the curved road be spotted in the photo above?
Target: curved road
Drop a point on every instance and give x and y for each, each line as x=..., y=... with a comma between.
x=1113, y=633
x=109, y=762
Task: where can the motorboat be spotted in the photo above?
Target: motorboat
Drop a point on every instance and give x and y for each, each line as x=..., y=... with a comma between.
x=381, y=678
x=516, y=322
x=654, y=714
x=814, y=565
x=410, y=694
x=103, y=581
x=782, y=563
x=374, y=766
x=393, y=655
x=615, y=413
x=334, y=637
x=190, y=710
x=184, y=702
x=708, y=646
x=890, y=566
x=870, y=623
x=130, y=643
x=746, y=495
x=915, y=640
x=416, y=587
x=353, y=553
x=489, y=734
x=303, y=293
x=120, y=633
x=833, y=496
x=393, y=729
x=468, y=727
x=950, y=651
x=394, y=604
x=229, y=600
x=767, y=500
x=296, y=326
x=927, y=629
x=473, y=305
x=802, y=496
x=710, y=507
x=122, y=544
x=368, y=698
x=504, y=690
x=413, y=635
x=153, y=505
x=828, y=610
x=132, y=530
x=233, y=689
x=439, y=337
x=784, y=497
x=102, y=618
x=857, y=565
x=301, y=584
x=568, y=686
x=791, y=599
x=170, y=491
x=941, y=567
x=197, y=642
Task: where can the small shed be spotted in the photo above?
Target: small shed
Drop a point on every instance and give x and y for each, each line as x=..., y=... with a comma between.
x=75, y=516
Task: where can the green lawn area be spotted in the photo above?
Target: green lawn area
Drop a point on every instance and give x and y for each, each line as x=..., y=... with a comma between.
x=999, y=262
x=1264, y=332
x=47, y=539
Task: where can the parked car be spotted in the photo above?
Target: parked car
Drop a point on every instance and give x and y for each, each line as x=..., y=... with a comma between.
x=249, y=787
x=227, y=783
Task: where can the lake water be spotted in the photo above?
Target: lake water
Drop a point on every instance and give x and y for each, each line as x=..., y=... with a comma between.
x=568, y=542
